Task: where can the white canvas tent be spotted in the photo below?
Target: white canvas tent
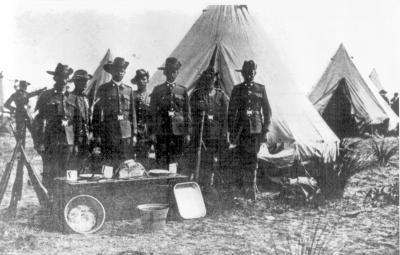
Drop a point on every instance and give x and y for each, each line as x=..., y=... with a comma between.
x=347, y=102
x=238, y=37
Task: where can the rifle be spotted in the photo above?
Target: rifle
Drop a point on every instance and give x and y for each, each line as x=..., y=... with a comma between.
x=197, y=173
x=36, y=92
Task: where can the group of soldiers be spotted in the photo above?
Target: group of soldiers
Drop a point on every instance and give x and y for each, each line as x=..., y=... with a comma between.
x=123, y=123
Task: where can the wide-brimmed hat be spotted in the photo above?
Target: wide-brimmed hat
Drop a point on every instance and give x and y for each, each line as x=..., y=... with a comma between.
x=248, y=65
x=63, y=70
x=117, y=63
x=81, y=74
x=382, y=91
x=171, y=64
x=139, y=74
x=23, y=83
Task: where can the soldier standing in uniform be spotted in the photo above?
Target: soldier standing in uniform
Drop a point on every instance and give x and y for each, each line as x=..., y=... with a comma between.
x=82, y=121
x=249, y=116
x=23, y=117
x=170, y=121
x=142, y=104
x=211, y=102
x=54, y=124
x=114, y=115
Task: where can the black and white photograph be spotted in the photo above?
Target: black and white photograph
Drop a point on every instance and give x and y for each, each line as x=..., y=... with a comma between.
x=178, y=127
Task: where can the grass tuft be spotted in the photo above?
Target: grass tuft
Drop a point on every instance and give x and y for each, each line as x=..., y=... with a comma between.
x=383, y=151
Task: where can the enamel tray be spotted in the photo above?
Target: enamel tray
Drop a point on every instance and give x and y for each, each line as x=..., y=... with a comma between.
x=189, y=200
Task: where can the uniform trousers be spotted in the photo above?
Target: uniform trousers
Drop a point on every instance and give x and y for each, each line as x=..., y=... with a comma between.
x=116, y=152
x=169, y=149
x=56, y=160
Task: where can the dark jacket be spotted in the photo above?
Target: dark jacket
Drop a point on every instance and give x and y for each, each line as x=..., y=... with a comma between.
x=54, y=121
x=142, y=106
x=170, y=111
x=216, y=113
x=82, y=122
x=113, y=101
x=249, y=113
x=21, y=100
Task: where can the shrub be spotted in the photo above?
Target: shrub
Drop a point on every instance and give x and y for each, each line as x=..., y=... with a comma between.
x=383, y=151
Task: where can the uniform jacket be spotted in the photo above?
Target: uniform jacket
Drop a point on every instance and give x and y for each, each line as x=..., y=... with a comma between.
x=82, y=121
x=142, y=106
x=21, y=100
x=249, y=111
x=54, y=121
x=170, y=111
x=112, y=101
x=216, y=113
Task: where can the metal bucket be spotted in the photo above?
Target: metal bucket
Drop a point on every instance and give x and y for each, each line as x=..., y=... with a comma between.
x=153, y=216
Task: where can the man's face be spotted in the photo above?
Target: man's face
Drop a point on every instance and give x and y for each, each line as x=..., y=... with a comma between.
x=171, y=75
x=23, y=87
x=118, y=73
x=248, y=75
x=61, y=80
x=209, y=81
x=80, y=84
x=142, y=82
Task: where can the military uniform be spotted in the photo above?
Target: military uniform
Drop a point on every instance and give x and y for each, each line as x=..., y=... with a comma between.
x=114, y=121
x=82, y=127
x=56, y=133
x=248, y=120
x=215, y=107
x=23, y=118
x=142, y=106
x=170, y=120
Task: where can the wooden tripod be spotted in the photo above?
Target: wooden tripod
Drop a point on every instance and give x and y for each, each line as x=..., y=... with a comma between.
x=40, y=190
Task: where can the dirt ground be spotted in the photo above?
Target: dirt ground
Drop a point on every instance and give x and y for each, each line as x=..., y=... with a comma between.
x=345, y=225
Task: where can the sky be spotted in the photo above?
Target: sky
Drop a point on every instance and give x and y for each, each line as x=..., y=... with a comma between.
x=36, y=35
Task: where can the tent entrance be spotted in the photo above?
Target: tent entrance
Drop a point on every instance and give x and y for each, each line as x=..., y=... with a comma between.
x=338, y=115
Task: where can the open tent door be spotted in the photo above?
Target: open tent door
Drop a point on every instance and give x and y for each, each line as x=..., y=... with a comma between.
x=338, y=115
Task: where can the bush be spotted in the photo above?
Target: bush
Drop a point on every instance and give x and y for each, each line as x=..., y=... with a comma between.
x=383, y=151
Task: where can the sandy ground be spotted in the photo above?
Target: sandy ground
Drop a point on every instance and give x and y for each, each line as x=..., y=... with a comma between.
x=236, y=226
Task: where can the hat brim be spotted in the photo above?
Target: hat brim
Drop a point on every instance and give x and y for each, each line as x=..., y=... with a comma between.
x=70, y=71
x=172, y=69
x=109, y=66
x=89, y=77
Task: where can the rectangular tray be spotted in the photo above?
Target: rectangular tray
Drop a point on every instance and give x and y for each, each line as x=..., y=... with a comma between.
x=189, y=200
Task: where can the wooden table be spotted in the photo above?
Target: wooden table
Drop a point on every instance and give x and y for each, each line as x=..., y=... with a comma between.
x=119, y=197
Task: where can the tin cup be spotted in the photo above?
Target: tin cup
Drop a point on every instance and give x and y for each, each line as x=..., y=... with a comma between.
x=173, y=168
x=72, y=175
x=107, y=171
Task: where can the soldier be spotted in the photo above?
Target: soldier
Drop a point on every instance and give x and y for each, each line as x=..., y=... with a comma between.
x=23, y=117
x=170, y=121
x=114, y=115
x=211, y=102
x=81, y=122
x=142, y=104
x=248, y=120
x=54, y=125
